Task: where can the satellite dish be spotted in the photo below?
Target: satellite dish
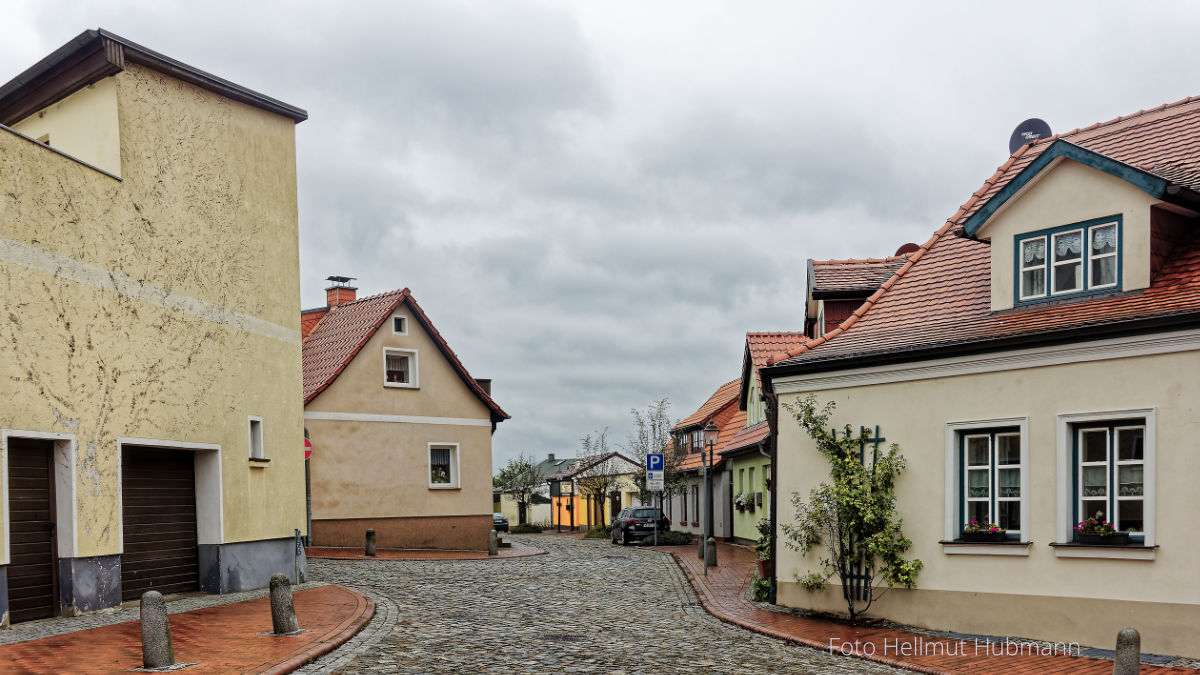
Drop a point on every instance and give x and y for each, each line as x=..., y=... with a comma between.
x=907, y=248
x=1027, y=132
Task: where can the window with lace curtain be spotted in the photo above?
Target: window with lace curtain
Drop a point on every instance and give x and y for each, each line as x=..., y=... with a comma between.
x=1075, y=259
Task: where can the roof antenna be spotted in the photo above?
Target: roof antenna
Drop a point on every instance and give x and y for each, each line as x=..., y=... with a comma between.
x=1027, y=132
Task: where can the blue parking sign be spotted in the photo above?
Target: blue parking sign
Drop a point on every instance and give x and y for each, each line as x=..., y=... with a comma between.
x=654, y=462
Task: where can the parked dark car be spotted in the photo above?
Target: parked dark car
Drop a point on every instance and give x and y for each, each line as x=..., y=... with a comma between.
x=499, y=522
x=637, y=522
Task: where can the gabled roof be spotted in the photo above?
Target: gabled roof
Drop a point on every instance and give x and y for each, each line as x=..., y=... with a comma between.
x=337, y=338
x=939, y=302
x=728, y=420
x=761, y=348
x=580, y=465
x=549, y=467
x=95, y=54
x=850, y=278
x=724, y=395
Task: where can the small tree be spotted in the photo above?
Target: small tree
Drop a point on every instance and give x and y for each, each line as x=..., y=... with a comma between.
x=853, y=519
x=600, y=474
x=521, y=479
x=652, y=434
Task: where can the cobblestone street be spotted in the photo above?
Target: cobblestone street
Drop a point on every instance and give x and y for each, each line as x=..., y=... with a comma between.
x=588, y=606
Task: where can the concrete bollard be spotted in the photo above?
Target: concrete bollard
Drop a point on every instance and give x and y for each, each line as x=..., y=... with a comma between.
x=157, y=650
x=283, y=611
x=370, y=548
x=493, y=543
x=1128, y=658
x=710, y=553
x=700, y=546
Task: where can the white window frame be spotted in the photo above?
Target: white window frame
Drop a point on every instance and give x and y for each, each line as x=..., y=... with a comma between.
x=952, y=524
x=254, y=443
x=443, y=445
x=1092, y=258
x=413, y=372
x=403, y=322
x=1023, y=268
x=1067, y=423
x=1081, y=261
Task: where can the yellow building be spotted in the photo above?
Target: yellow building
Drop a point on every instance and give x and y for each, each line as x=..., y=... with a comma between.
x=1035, y=361
x=150, y=348
x=591, y=491
x=401, y=433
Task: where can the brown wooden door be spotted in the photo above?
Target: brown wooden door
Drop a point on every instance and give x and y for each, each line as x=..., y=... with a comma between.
x=32, y=577
x=158, y=499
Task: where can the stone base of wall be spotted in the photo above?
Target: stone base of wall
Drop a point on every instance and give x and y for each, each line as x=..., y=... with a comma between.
x=247, y=565
x=88, y=584
x=3, y=596
x=1166, y=628
x=467, y=533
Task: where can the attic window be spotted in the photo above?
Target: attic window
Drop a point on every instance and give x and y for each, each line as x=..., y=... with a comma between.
x=399, y=325
x=400, y=368
x=1071, y=260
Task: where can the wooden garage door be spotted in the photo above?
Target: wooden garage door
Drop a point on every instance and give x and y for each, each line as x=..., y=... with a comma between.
x=31, y=572
x=158, y=498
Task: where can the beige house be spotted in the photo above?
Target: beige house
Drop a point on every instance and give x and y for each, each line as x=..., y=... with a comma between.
x=150, y=429
x=1035, y=361
x=401, y=433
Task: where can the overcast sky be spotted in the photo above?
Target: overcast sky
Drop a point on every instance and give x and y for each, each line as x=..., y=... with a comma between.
x=595, y=201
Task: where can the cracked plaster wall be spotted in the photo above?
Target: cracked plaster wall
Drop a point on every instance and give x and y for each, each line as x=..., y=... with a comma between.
x=206, y=210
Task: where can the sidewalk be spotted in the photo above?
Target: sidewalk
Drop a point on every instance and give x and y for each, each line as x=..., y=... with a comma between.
x=221, y=639
x=723, y=594
x=332, y=553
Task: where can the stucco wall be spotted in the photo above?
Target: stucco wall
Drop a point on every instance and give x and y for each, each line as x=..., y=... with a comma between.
x=369, y=469
x=162, y=306
x=83, y=125
x=745, y=523
x=1070, y=193
x=915, y=414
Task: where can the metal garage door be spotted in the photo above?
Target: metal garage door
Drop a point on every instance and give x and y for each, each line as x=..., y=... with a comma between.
x=158, y=498
x=31, y=570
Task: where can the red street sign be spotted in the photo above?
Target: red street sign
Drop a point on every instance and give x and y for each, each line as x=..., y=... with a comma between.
x=307, y=448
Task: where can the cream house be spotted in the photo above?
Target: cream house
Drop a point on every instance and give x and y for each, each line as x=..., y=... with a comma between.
x=401, y=433
x=150, y=429
x=1035, y=362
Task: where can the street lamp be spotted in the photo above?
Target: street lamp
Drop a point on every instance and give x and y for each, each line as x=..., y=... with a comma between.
x=710, y=439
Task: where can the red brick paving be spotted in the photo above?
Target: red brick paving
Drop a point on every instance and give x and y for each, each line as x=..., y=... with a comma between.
x=330, y=553
x=723, y=594
x=222, y=639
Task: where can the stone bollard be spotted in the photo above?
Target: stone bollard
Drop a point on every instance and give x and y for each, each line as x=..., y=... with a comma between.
x=1128, y=658
x=283, y=611
x=710, y=553
x=700, y=546
x=493, y=543
x=370, y=548
x=157, y=651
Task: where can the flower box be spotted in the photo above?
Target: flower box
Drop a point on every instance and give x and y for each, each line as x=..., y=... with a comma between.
x=984, y=536
x=1114, y=539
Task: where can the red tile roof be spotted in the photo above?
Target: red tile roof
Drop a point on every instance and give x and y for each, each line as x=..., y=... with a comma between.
x=343, y=331
x=724, y=394
x=748, y=437
x=941, y=296
x=853, y=276
x=764, y=347
x=730, y=421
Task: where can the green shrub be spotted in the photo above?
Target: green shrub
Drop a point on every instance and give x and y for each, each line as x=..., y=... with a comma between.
x=601, y=532
x=526, y=528
x=760, y=589
x=670, y=538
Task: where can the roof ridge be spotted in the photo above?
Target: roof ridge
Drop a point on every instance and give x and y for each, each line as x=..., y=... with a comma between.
x=1116, y=120
x=859, y=261
x=870, y=302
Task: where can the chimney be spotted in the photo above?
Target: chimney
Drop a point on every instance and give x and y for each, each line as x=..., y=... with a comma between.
x=485, y=384
x=551, y=459
x=340, y=291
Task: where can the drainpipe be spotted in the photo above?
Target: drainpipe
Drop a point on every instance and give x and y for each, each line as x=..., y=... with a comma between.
x=771, y=453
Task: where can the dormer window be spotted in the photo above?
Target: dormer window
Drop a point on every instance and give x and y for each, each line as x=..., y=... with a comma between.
x=1075, y=259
